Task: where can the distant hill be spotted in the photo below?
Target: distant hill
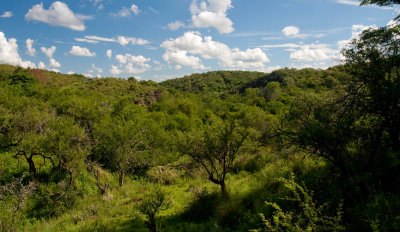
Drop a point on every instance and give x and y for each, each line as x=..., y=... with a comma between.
x=216, y=81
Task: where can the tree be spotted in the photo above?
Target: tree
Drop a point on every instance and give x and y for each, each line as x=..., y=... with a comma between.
x=272, y=90
x=67, y=145
x=215, y=147
x=119, y=142
x=380, y=2
x=152, y=203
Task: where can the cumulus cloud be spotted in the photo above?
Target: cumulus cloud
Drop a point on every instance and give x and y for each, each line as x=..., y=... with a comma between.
x=126, y=12
x=271, y=69
x=175, y=25
x=182, y=51
x=29, y=47
x=120, y=39
x=294, y=32
x=81, y=51
x=99, y=70
x=135, y=9
x=58, y=14
x=9, y=53
x=291, y=31
x=48, y=51
x=181, y=58
x=7, y=14
x=132, y=40
x=133, y=64
x=115, y=70
x=109, y=53
x=356, y=30
x=314, y=52
x=212, y=13
x=41, y=65
x=54, y=63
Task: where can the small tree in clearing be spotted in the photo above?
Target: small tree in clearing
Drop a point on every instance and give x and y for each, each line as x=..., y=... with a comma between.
x=215, y=147
x=151, y=205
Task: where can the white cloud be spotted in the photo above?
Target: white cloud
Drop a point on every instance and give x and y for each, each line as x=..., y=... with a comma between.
x=29, y=47
x=70, y=72
x=175, y=25
x=9, y=53
x=290, y=45
x=291, y=31
x=99, y=70
x=153, y=10
x=133, y=64
x=212, y=13
x=41, y=65
x=349, y=2
x=115, y=70
x=126, y=40
x=87, y=40
x=135, y=9
x=7, y=14
x=109, y=53
x=271, y=69
x=393, y=23
x=303, y=66
x=120, y=39
x=356, y=31
x=314, y=52
x=54, y=63
x=294, y=32
x=98, y=38
x=48, y=51
x=181, y=51
x=79, y=51
x=126, y=12
x=180, y=58
x=57, y=15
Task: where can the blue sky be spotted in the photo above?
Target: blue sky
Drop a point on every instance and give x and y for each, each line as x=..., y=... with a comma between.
x=161, y=39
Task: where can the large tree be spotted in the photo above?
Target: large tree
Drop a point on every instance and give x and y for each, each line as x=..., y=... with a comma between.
x=120, y=143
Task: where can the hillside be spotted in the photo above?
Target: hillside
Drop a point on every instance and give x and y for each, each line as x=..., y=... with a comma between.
x=200, y=153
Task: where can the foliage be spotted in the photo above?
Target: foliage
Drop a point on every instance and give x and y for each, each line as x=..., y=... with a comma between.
x=310, y=217
x=151, y=205
x=215, y=147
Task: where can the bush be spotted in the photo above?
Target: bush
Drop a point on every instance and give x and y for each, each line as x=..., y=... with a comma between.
x=163, y=175
x=308, y=216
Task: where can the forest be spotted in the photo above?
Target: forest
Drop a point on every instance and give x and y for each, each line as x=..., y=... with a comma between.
x=291, y=150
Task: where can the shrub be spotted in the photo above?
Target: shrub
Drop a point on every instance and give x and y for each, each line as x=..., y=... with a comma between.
x=163, y=175
x=151, y=205
x=308, y=217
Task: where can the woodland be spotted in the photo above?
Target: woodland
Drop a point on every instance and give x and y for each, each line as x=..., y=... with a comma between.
x=291, y=150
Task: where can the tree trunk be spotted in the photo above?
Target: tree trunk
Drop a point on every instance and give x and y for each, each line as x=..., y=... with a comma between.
x=121, y=179
x=223, y=190
x=71, y=178
x=151, y=224
x=32, y=168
